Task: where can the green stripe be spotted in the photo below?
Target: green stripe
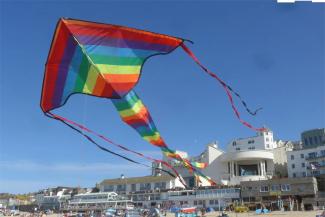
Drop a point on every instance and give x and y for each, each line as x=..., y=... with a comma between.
x=82, y=75
x=126, y=102
x=115, y=60
x=146, y=132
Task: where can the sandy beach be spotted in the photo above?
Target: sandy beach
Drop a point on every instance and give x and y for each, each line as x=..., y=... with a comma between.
x=251, y=214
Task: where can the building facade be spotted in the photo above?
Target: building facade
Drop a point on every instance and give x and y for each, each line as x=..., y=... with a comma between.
x=313, y=138
x=289, y=193
x=310, y=159
x=125, y=185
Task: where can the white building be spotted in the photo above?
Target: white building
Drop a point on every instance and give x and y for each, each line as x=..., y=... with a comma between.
x=246, y=159
x=250, y=159
x=125, y=185
x=306, y=162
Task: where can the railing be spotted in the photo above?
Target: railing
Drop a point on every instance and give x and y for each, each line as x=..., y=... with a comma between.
x=315, y=156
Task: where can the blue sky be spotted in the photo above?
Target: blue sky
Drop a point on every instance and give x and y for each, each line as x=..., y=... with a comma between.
x=272, y=54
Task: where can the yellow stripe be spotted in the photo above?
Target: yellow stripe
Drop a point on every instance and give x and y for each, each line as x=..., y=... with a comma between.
x=132, y=111
x=91, y=80
x=152, y=138
x=117, y=69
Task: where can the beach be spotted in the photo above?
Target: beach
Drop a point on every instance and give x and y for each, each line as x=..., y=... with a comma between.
x=248, y=214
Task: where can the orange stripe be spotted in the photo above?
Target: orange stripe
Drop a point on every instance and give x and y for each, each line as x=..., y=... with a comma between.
x=99, y=86
x=120, y=78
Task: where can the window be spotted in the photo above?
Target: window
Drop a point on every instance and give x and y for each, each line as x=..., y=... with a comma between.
x=311, y=140
x=195, y=202
x=292, y=157
x=294, y=175
x=121, y=187
x=237, y=149
x=302, y=156
x=306, y=141
x=275, y=187
x=251, y=141
x=264, y=188
x=322, y=153
x=211, y=202
x=145, y=186
x=133, y=187
x=234, y=143
x=267, y=145
x=316, y=139
x=293, y=166
x=109, y=188
x=304, y=174
x=267, y=139
x=285, y=187
x=303, y=165
x=312, y=155
x=251, y=148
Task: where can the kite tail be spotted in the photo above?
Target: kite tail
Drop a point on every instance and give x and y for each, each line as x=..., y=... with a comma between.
x=134, y=113
x=228, y=90
x=73, y=125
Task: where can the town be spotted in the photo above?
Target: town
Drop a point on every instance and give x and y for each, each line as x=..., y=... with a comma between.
x=253, y=173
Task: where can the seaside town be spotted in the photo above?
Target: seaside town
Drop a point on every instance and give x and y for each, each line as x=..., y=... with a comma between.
x=179, y=108
x=254, y=175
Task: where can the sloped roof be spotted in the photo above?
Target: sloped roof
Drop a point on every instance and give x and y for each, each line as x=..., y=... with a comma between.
x=136, y=180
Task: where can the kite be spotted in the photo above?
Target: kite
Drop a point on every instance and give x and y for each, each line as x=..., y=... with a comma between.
x=106, y=61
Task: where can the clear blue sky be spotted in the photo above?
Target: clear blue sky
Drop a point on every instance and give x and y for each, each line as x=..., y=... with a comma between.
x=272, y=54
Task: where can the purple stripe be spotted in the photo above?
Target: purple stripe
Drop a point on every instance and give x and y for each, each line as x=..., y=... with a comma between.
x=63, y=70
x=122, y=43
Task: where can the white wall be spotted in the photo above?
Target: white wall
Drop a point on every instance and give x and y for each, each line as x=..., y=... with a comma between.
x=262, y=141
x=320, y=150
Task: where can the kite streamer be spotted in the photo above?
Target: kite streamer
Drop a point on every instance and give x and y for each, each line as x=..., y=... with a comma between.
x=106, y=61
x=82, y=128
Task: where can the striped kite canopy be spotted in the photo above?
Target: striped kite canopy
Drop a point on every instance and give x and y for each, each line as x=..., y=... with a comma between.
x=97, y=59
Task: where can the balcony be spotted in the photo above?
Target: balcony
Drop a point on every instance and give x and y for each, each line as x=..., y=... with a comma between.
x=316, y=156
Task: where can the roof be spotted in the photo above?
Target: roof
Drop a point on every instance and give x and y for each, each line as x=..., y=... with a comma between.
x=136, y=180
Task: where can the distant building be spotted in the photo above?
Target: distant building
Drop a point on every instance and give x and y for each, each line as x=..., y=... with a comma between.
x=313, y=138
x=254, y=158
x=291, y=193
x=125, y=185
x=166, y=191
x=310, y=159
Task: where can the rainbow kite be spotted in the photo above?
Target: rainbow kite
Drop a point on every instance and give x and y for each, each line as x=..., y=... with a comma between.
x=106, y=60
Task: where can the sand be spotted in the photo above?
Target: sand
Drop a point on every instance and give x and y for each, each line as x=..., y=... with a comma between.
x=249, y=214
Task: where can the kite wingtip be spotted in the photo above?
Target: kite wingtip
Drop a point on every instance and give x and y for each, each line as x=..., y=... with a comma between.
x=188, y=40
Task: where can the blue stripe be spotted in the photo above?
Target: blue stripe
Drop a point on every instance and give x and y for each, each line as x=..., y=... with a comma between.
x=116, y=51
x=72, y=74
x=113, y=42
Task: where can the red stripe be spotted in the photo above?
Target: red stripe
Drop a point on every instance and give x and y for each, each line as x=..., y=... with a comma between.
x=52, y=66
x=110, y=31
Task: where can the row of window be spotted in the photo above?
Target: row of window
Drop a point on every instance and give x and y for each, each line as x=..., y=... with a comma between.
x=310, y=155
x=143, y=187
x=249, y=148
x=314, y=140
x=304, y=174
x=303, y=165
x=249, y=142
x=292, y=157
x=218, y=191
x=283, y=187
